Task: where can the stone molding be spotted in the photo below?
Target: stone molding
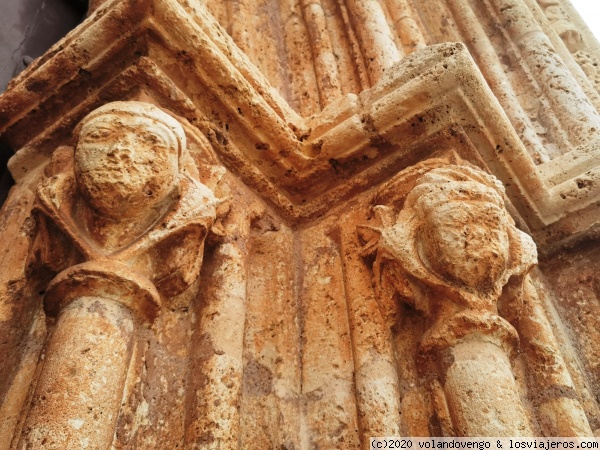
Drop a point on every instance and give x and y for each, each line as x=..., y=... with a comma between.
x=439, y=88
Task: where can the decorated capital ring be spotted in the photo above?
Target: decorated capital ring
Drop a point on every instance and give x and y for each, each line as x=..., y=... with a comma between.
x=108, y=280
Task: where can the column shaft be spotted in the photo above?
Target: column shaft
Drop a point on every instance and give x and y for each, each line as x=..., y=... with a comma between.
x=481, y=392
x=78, y=396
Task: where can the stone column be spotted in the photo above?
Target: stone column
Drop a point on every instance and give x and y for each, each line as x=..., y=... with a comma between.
x=484, y=53
x=326, y=69
x=472, y=353
x=407, y=27
x=559, y=409
x=450, y=252
x=481, y=392
x=375, y=369
x=79, y=393
x=374, y=35
x=213, y=415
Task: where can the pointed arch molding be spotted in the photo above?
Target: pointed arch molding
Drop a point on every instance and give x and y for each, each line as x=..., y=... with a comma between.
x=435, y=99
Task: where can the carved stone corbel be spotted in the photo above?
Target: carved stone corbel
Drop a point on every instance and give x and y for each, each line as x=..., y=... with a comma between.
x=121, y=225
x=449, y=253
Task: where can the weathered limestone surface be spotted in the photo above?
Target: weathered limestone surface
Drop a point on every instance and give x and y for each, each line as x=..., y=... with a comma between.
x=78, y=394
x=301, y=223
x=449, y=254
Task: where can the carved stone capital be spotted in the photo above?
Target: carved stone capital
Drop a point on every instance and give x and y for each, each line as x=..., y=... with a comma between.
x=452, y=252
x=121, y=226
x=125, y=197
x=449, y=253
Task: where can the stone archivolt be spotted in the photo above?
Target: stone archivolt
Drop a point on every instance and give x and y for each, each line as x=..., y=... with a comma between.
x=138, y=311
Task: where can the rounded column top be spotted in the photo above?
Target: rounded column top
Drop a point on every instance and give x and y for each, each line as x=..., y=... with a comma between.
x=105, y=279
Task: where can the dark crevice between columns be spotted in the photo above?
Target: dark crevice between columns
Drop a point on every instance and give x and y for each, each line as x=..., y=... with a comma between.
x=6, y=179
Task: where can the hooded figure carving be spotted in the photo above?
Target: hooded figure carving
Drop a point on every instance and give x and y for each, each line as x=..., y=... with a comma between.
x=121, y=227
x=452, y=248
x=126, y=197
x=452, y=253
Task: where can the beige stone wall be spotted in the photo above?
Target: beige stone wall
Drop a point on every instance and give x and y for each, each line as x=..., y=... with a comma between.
x=312, y=122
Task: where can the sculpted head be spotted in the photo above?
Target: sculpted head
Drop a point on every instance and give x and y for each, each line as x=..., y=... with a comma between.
x=465, y=227
x=127, y=158
x=453, y=230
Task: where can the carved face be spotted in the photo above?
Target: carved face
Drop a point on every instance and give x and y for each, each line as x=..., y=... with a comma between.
x=466, y=241
x=125, y=164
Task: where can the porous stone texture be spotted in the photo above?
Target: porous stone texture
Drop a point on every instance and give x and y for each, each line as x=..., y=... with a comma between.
x=298, y=224
x=84, y=368
x=448, y=254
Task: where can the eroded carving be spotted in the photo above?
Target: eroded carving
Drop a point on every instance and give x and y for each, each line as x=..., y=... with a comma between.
x=572, y=38
x=450, y=253
x=454, y=236
x=126, y=197
x=589, y=65
x=562, y=24
x=123, y=223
